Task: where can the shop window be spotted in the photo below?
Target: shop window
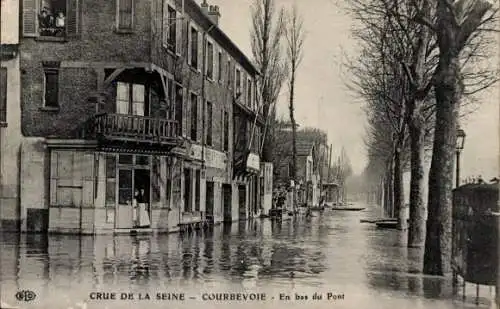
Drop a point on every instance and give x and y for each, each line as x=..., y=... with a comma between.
x=142, y=160
x=156, y=181
x=110, y=181
x=126, y=159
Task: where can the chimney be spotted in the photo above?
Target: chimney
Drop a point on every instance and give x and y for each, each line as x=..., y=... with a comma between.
x=214, y=14
x=204, y=7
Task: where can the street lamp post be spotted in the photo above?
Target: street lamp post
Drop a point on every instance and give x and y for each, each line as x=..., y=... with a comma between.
x=458, y=150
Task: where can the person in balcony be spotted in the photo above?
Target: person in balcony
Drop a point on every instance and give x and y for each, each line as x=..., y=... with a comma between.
x=46, y=22
x=60, y=23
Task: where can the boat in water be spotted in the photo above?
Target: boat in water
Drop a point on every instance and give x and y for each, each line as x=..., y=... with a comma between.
x=387, y=224
x=347, y=208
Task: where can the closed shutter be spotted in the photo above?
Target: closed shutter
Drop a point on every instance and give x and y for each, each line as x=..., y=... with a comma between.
x=3, y=94
x=200, y=50
x=184, y=112
x=72, y=17
x=189, y=47
x=88, y=180
x=53, y=178
x=30, y=18
x=165, y=23
x=178, y=35
x=125, y=14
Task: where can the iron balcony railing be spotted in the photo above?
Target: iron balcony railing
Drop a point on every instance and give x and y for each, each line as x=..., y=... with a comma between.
x=122, y=127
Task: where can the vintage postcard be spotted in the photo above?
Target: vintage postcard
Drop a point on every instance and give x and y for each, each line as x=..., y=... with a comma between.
x=249, y=154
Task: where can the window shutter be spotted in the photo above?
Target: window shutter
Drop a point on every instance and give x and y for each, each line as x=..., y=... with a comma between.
x=87, y=166
x=3, y=94
x=72, y=17
x=30, y=18
x=178, y=35
x=216, y=63
x=165, y=23
x=125, y=14
x=189, y=43
x=184, y=112
x=200, y=50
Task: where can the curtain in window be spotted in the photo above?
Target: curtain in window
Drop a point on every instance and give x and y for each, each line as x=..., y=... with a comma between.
x=138, y=100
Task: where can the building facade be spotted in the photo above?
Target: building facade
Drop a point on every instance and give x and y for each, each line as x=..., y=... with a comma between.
x=10, y=115
x=128, y=110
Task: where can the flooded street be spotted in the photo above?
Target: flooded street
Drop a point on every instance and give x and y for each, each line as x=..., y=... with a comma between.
x=359, y=265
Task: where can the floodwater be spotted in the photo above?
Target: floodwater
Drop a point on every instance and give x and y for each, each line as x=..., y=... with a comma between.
x=333, y=255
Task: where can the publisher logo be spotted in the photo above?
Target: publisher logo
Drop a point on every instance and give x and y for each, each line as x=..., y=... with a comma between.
x=25, y=295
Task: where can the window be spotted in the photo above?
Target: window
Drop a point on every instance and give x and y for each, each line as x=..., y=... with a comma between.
x=51, y=87
x=130, y=99
x=125, y=14
x=226, y=131
x=228, y=72
x=219, y=68
x=156, y=181
x=50, y=18
x=3, y=94
x=179, y=108
x=209, y=123
x=237, y=86
x=210, y=60
x=169, y=26
x=194, y=117
x=249, y=93
x=194, y=48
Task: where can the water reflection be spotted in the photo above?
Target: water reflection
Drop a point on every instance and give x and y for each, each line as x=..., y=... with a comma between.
x=332, y=251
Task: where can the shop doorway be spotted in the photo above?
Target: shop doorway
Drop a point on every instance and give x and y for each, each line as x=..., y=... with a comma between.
x=242, y=197
x=226, y=203
x=210, y=200
x=133, y=184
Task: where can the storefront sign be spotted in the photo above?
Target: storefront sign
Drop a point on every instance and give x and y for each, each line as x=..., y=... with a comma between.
x=213, y=158
x=253, y=161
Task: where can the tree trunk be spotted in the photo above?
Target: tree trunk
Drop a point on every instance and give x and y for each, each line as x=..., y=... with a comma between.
x=416, y=232
x=399, y=209
x=294, y=127
x=437, y=258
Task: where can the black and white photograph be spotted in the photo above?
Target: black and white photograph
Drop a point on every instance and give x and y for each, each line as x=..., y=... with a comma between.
x=249, y=154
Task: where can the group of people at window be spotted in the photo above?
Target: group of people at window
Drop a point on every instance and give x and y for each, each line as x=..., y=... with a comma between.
x=51, y=23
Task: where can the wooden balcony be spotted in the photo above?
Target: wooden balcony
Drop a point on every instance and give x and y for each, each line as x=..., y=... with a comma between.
x=132, y=128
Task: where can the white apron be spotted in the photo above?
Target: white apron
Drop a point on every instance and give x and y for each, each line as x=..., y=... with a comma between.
x=143, y=215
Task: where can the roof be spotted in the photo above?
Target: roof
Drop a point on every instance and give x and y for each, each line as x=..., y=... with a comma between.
x=216, y=33
x=304, y=144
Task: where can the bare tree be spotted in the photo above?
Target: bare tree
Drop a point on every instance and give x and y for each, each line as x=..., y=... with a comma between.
x=295, y=35
x=266, y=40
x=455, y=24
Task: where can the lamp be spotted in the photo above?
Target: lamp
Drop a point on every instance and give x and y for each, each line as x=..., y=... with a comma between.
x=460, y=139
x=458, y=148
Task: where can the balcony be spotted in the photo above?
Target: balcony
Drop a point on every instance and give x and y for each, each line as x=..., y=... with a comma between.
x=131, y=128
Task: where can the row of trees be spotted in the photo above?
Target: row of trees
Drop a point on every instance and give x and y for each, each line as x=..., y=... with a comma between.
x=421, y=63
x=277, y=38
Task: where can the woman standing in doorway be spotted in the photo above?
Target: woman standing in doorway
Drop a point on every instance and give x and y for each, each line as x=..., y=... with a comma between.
x=141, y=208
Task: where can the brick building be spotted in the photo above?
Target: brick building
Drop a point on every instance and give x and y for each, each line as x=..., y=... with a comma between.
x=132, y=98
x=10, y=115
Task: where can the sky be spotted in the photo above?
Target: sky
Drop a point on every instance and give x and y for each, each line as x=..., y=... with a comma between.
x=323, y=100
